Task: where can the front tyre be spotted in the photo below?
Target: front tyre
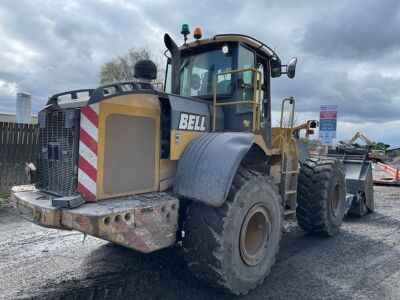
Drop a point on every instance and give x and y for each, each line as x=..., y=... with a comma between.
x=321, y=196
x=233, y=247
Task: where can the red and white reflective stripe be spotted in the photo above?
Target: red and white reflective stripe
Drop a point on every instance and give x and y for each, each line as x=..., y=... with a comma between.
x=87, y=163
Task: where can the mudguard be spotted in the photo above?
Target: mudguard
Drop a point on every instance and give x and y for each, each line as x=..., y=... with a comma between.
x=208, y=165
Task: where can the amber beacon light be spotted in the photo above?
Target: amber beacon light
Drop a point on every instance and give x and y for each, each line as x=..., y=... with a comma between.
x=197, y=33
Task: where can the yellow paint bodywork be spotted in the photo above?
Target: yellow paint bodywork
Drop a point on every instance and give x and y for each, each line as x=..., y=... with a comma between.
x=142, y=105
x=167, y=173
x=283, y=143
x=259, y=140
x=147, y=105
x=179, y=140
x=282, y=140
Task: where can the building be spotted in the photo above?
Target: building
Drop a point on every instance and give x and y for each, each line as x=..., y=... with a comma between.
x=11, y=117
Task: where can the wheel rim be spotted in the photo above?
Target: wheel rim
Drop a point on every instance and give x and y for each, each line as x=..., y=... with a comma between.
x=254, y=234
x=335, y=199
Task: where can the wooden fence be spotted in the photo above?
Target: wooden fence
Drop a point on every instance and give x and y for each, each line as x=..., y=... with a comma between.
x=17, y=147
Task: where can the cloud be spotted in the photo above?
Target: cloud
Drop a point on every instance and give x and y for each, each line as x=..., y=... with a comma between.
x=8, y=90
x=371, y=97
x=348, y=52
x=362, y=30
x=61, y=46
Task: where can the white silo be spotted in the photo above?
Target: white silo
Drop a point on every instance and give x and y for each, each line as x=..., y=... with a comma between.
x=24, y=108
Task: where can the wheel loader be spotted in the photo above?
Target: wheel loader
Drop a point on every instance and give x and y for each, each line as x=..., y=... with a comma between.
x=193, y=161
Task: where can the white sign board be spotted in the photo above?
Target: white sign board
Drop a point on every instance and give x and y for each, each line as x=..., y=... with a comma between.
x=327, y=123
x=326, y=139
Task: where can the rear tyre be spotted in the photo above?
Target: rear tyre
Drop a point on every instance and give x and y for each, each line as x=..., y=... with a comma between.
x=232, y=247
x=321, y=196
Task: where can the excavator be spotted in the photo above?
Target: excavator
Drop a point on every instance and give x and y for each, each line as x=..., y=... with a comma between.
x=353, y=148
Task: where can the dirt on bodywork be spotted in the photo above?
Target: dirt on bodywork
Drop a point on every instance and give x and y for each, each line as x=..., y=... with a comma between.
x=363, y=261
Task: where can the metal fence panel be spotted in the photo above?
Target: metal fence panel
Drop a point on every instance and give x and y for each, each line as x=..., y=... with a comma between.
x=18, y=143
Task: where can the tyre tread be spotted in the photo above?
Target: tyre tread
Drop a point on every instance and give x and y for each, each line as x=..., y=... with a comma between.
x=204, y=230
x=312, y=211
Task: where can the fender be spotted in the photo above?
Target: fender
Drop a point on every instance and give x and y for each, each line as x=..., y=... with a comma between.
x=208, y=165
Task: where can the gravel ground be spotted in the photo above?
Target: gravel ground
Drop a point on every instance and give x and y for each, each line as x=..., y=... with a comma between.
x=362, y=262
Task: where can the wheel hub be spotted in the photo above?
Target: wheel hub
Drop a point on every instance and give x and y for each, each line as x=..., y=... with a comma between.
x=254, y=235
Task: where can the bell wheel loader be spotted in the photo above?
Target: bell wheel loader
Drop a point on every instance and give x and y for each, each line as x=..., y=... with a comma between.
x=146, y=165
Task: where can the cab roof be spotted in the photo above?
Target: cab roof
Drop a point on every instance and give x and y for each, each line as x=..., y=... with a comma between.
x=253, y=43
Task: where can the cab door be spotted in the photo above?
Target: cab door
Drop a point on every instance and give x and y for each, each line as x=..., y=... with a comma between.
x=241, y=115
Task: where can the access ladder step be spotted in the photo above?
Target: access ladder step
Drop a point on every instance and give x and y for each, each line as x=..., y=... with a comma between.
x=289, y=212
x=290, y=172
x=289, y=192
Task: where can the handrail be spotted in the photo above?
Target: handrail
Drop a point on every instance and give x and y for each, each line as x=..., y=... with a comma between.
x=292, y=102
x=74, y=95
x=158, y=85
x=256, y=101
x=273, y=54
x=285, y=139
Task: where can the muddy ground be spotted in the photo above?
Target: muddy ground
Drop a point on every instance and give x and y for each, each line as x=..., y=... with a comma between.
x=362, y=262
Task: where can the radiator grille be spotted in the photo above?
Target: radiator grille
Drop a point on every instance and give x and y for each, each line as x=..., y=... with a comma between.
x=129, y=154
x=57, y=151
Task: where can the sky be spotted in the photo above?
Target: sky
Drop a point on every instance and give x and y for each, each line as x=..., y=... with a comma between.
x=348, y=51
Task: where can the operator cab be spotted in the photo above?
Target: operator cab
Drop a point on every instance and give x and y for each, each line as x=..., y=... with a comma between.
x=231, y=70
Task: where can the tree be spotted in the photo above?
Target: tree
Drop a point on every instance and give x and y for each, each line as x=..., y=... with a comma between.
x=381, y=146
x=121, y=68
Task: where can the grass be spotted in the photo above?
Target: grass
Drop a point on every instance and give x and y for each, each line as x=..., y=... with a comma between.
x=5, y=199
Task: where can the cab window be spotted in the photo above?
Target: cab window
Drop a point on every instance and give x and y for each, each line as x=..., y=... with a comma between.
x=245, y=91
x=246, y=60
x=198, y=71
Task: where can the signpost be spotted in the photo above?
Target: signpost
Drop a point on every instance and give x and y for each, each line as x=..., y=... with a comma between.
x=327, y=124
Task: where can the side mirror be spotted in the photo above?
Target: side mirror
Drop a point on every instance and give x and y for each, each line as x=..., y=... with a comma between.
x=291, y=67
x=276, y=67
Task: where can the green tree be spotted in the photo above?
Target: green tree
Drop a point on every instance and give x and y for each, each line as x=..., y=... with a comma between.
x=381, y=146
x=121, y=68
